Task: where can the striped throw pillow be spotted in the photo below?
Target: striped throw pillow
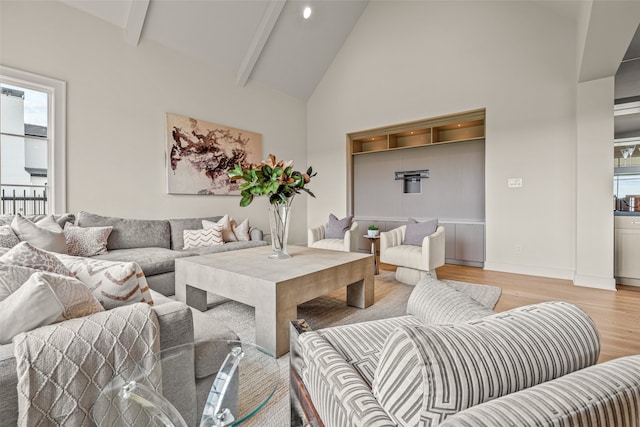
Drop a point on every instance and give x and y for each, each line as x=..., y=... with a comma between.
x=428, y=373
x=201, y=238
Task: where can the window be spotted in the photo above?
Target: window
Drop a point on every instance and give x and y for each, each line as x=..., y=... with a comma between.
x=32, y=143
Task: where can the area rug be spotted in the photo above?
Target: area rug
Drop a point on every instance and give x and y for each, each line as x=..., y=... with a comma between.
x=391, y=299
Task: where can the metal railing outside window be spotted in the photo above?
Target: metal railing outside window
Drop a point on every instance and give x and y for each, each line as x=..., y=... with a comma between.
x=23, y=199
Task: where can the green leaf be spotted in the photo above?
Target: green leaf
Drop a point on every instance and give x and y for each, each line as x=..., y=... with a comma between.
x=246, y=201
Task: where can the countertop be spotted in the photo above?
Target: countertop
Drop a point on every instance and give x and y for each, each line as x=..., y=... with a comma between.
x=626, y=213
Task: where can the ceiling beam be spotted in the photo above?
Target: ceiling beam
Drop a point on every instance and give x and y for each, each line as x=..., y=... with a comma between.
x=271, y=15
x=135, y=21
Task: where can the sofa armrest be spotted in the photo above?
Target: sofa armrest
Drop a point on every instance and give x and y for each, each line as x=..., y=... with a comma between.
x=315, y=234
x=433, y=248
x=176, y=324
x=338, y=393
x=256, y=233
x=351, y=237
x=597, y=395
x=391, y=238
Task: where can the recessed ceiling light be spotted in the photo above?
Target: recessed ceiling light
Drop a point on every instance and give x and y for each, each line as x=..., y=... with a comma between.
x=306, y=13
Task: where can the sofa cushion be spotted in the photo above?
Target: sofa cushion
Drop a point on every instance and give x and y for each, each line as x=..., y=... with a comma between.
x=437, y=303
x=45, y=234
x=231, y=246
x=241, y=230
x=225, y=224
x=45, y=298
x=86, y=241
x=179, y=225
x=336, y=228
x=26, y=255
x=113, y=283
x=361, y=343
x=332, y=244
x=8, y=238
x=61, y=219
x=210, y=236
x=152, y=260
x=12, y=277
x=598, y=395
x=409, y=256
x=130, y=233
x=445, y=369
x=417, y=231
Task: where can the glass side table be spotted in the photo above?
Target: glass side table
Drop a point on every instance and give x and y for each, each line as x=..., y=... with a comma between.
x=246, y=381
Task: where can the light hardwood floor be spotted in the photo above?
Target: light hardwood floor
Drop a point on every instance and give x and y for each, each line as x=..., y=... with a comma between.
x=616, y=314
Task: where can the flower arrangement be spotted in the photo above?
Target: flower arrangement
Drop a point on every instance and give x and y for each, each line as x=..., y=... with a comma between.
x=273, y=178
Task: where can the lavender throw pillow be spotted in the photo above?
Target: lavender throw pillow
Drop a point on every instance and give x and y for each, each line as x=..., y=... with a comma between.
x=417, y=231
x=337, y=227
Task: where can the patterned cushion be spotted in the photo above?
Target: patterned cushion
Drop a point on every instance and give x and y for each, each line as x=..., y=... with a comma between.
x=8, y=238
x=86, y=241
x=114, y=284
x=337, y=227
x=606, y=394
x=12, y=277
x=205, y=237
x=45, y=234
x=428, y=373
x=43, y=299
x=417, y=231
x=360, y=344
x=241, y=230
x=437, y=303
x=26, y=255
x=338, y=393
x=226, y=225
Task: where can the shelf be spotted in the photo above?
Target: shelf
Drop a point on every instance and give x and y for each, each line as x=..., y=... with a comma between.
x=467, y=126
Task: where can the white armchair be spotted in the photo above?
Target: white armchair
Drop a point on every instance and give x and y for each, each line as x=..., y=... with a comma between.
x=316, y=239
x=413, y=262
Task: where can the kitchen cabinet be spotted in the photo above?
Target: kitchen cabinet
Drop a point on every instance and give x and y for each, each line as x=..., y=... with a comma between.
x=627, y=250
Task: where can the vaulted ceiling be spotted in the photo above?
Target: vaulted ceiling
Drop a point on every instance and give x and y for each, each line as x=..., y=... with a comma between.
x=266, y=41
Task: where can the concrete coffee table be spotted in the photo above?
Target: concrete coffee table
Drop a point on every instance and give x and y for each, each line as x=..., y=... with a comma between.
x=274, y=287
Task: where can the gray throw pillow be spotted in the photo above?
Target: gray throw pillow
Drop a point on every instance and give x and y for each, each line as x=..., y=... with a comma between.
x=337, y=227
x=417, y=231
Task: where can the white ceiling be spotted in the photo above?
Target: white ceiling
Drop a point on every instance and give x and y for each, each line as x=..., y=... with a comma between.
x=267, y=41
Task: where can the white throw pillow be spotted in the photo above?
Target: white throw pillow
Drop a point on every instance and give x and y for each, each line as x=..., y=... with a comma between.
x=201, y=238
x=12, y=277
x=45, y=298
x=86, y=241
x=26, y=255
x=226, y=225
x=242, y=231
x=113, y=283
x=8, y=238
x=45, y=234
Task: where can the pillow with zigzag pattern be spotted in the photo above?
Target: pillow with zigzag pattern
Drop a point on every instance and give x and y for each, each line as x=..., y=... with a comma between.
x=202, y=238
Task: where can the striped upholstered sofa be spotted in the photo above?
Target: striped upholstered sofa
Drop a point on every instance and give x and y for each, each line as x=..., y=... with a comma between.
x=453, y=362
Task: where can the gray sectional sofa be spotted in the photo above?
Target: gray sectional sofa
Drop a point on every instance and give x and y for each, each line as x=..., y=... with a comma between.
x=156, y=244
x=451, y=361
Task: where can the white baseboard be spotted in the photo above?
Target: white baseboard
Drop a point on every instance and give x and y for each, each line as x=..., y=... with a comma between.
x=628, y=281
x=608, y=283
x=555, y=273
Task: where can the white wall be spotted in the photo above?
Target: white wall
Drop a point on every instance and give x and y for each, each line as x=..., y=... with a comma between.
x=117, y=99
x=406, y=61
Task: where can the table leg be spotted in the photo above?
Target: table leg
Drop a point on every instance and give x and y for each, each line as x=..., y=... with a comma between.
x=375, y=258
x=272, y=328
x=360, y=294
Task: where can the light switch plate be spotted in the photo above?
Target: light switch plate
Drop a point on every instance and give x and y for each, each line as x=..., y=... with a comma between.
x=514, y=182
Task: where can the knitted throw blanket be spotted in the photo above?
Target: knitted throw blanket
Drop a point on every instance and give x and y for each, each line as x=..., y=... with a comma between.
x=62, y=367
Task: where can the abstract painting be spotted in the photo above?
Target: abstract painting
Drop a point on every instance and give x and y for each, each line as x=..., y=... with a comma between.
x=200, y=153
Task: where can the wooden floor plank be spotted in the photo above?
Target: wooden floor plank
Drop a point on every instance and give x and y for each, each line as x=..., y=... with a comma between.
x=616, y=314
